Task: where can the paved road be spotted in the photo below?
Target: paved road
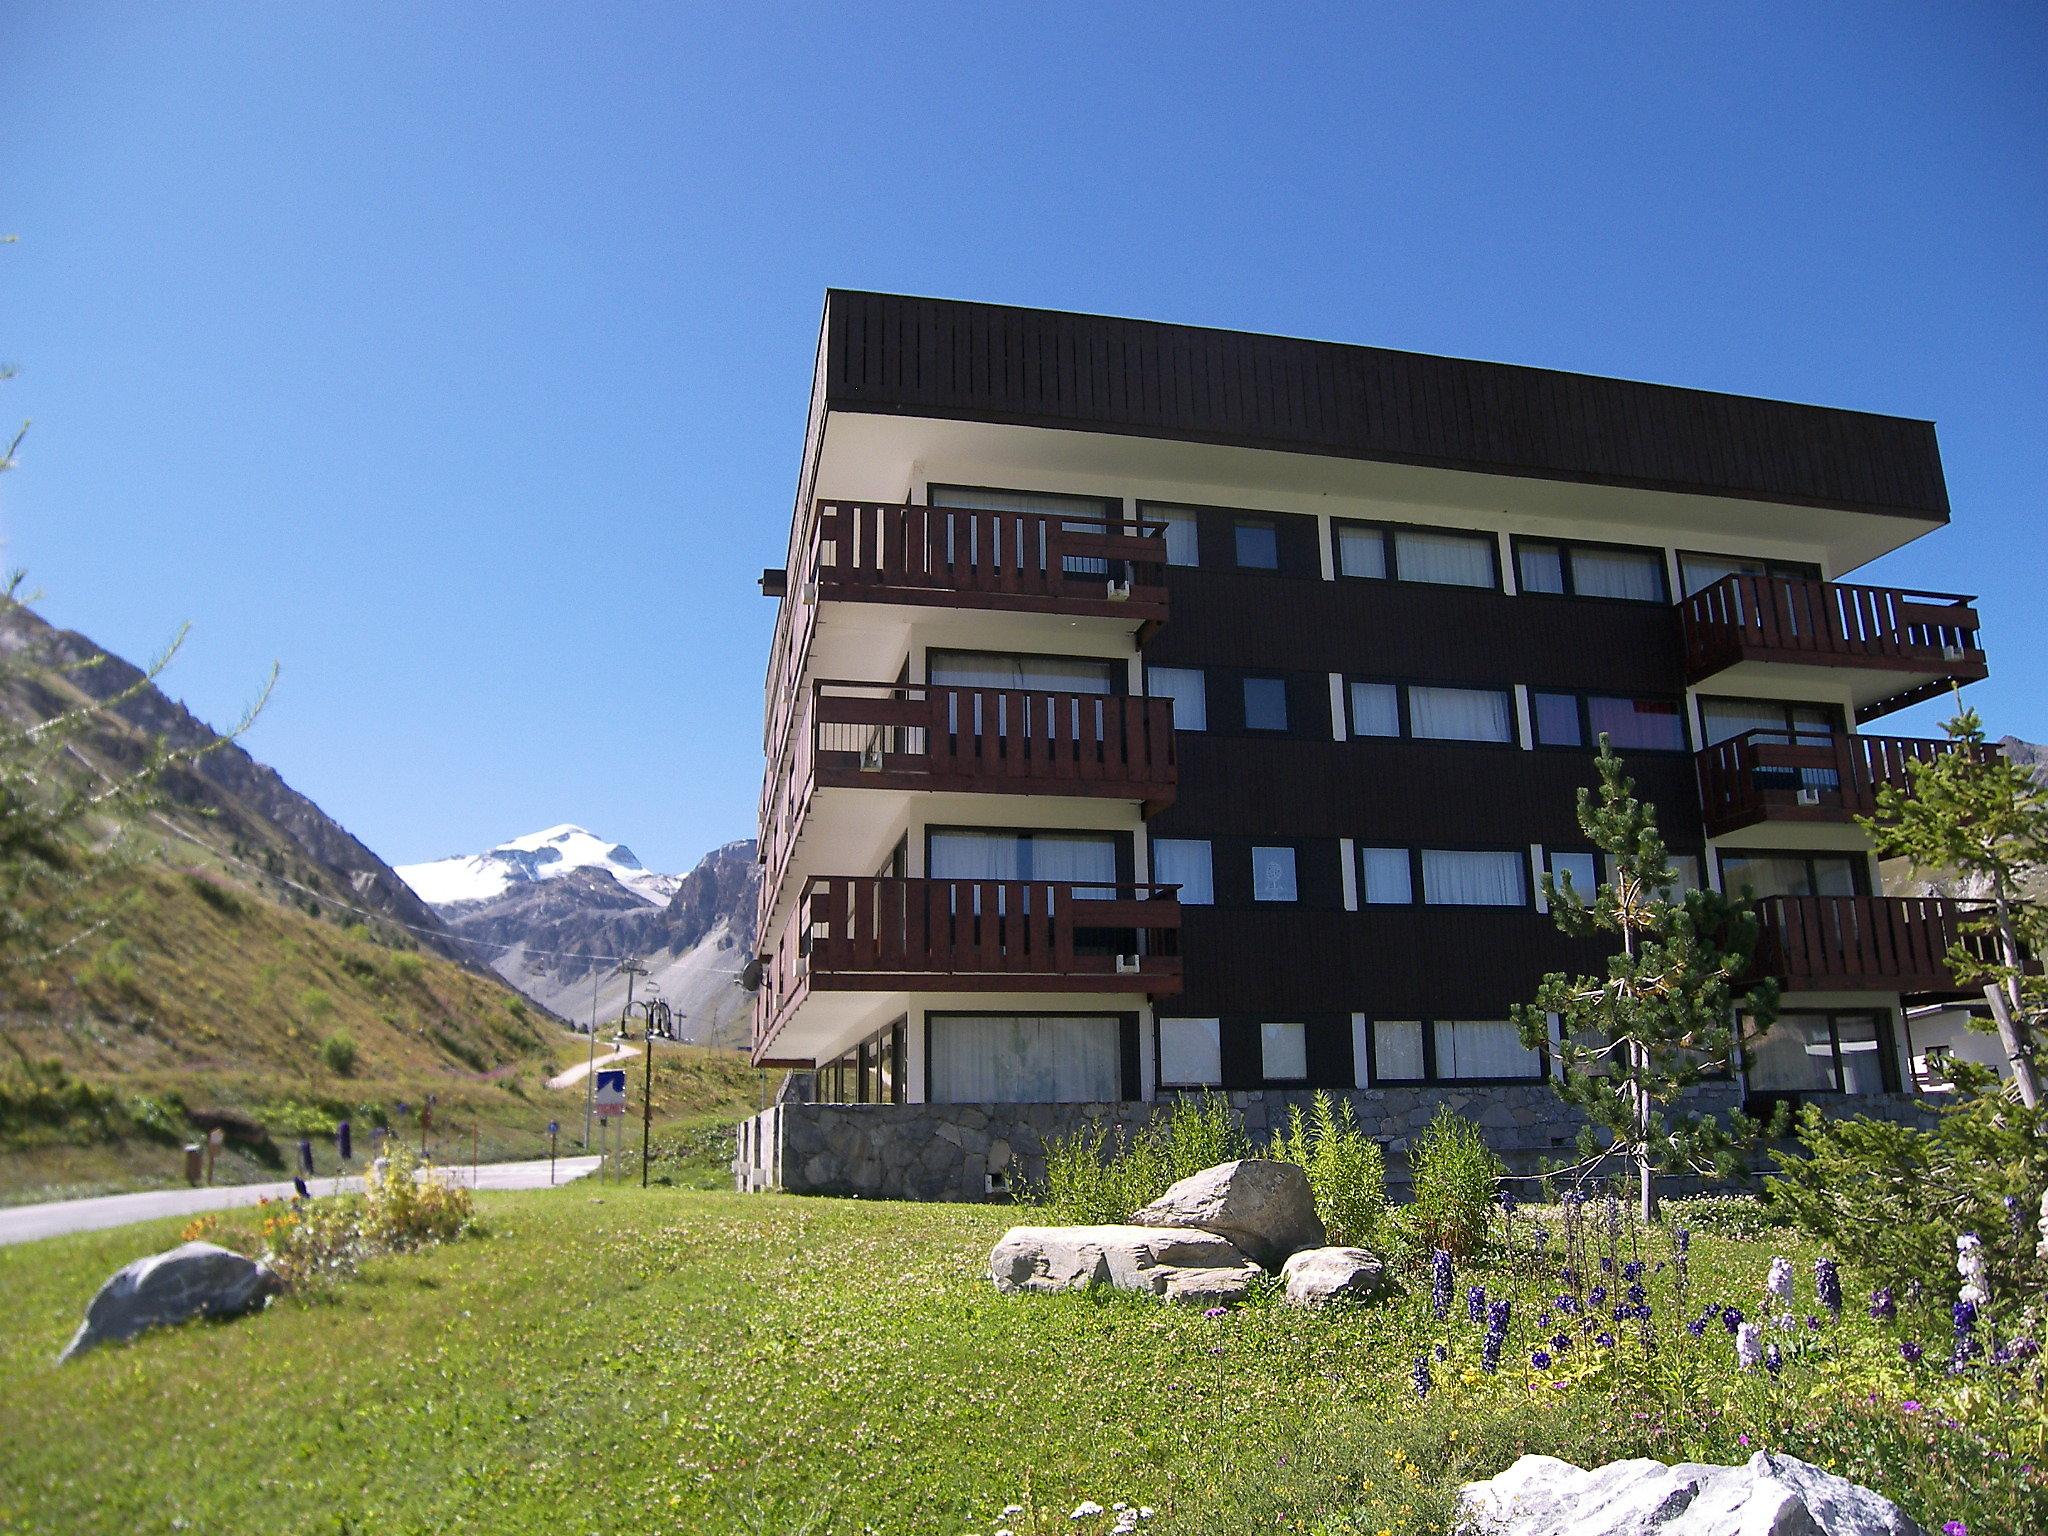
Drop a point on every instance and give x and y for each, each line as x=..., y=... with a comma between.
x=582, y=1069
x=24, y=1223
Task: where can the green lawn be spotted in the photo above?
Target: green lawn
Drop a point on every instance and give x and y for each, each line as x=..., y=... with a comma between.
x=618, y=1361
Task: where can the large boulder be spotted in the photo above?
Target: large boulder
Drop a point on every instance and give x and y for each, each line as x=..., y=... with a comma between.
x=1181, y=1265
x=1318, y=1275
x=192, y=1280
x=1767, y=1496
x=1265, y=1208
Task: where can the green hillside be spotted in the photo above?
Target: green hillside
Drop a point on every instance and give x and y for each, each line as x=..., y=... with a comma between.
x=205, y=1003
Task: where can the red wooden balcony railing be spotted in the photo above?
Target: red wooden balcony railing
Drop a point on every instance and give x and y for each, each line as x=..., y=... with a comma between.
x=1858, y=943
x=1002, y=740
x=1768, y=775
x=877, y=933
x=964, y=557
x=1829, y=623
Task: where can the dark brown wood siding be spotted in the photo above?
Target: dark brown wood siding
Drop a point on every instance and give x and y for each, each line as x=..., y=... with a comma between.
x=887, y=353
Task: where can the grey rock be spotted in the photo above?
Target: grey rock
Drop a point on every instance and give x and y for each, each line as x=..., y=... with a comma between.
x=1209, y=1287
x=1767, y=1496
x=1265, y=1208
x=191, y=1280
x=1318, y=1275
x=1159, y=1260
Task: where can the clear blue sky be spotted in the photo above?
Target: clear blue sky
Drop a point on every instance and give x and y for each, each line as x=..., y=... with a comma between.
x=456, y=355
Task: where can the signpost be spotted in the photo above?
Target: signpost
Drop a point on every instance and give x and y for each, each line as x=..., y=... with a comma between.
x=608, y=1100
x=554, y=1130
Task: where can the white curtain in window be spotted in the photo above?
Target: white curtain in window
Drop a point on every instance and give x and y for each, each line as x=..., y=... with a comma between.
x=1460, y=714
x=1637, y=574
x=1583, y=870
x=1017, y=501
x=990, y=669
x=1465, y=879
x=1725, y=719
x=1361, y=552
x=1862, y=1068
x=1013, y=1059
x=1190, y=1053
x=1078, y=857
x=1397, y=1051
x=1272, y=874
x=1387, y=878
x=977, y=856
x=1483, y=1048
x=1182, y=538
x=1375, y=710
x=1453, y=559
x=1184, y=686
x=1797, y=1056
x=1283, y=1052
x=1542, y=568
x=1654, y=724
x=1184, y=861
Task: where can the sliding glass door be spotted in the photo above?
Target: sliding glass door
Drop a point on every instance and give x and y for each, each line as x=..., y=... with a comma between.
x=1025, y=1059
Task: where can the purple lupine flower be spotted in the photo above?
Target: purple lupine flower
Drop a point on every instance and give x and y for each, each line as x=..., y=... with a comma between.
x=1773, y=1361
x=1507, y=1203
x=1597, y=1296
x=1540, y=1359
x=1421, y=1377
x=1561, y=1342
x=1442, y=1354
x=1606, y=1265
x=1954, y=1528
x=1882, y=1305
x=1967, y=1344
x=1697, y=1327
x=1440, y=1283
x=1731, y=1318
x=1632, y=1270
x=1215, y=1312
x=1475, y=1304
x=1605, y=1340
x=1779, y=1281
x=1569, y=1305
x=2015, y=1215
x=1749, y=1346
x=1827, y=1284
x=1496, y=1336
x=1539, y=1239
x=1635, y=1295
x=1681, y=1240
x=1910, y=1352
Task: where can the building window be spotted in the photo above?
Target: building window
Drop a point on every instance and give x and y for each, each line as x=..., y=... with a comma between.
x=1463, y=878
x=1283, y=1052
x=1631, y=724
x=870, y=1073
x=1273, y=874
x=1183, y=535
x=1429, y=712
x=1258, y=546
x=1792, y=874
x=1591, y=570
x=1377, y=551
x=1184, y=686
x=1821, y=1053
x=1397, y=1051
x=1485, y=1049
x=1190, y=1053
x=1698, y=571
x=1184, y=861
x=1265, y=704
x=1583, y=868
x=1025, y=1059
x=1460, y=714
x=1385, y=877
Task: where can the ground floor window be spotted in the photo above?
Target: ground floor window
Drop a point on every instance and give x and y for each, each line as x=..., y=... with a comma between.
x=1822, y=1053
x=870, y=1073
x=1450, y=1050
x=1025, y=1058
x=1190, y=1053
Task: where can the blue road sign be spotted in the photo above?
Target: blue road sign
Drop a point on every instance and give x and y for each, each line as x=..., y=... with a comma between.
x=554, y=1127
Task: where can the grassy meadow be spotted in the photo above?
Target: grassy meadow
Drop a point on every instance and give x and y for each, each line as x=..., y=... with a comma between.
x=608, y=1359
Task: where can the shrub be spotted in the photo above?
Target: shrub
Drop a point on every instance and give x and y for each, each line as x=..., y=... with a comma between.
x=1092, y=1177
x=1455, y=1175
x=315, y=1003
x=215, y=894
x=1345, y=1167
x=1742, y=1216
x=402, y=1211
x=310, y=1244
x=408, y=967
x=338, y=1051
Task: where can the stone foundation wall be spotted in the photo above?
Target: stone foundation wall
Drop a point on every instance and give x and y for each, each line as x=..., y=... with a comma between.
x=948, y=1151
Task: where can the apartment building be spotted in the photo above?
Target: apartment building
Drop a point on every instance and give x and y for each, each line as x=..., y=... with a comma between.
x=1155, y=709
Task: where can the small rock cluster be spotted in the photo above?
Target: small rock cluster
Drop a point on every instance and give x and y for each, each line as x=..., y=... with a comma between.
x=1767, y=1496
x=1204, y=1242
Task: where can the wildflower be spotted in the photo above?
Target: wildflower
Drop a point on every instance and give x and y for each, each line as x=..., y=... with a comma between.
x=1774, y=1362
x=1954, y=1528
x=1085, y=1510
x=1635, y=1295
x=1605, y=1340
x=1215, y=1312
x=1569, y=1305
x=1964, y=1312
x=1561, y=1342
x=1749, y=1346
x=1539, y=1239
x=2013, y=1218
x=1632, y=1270
x=1910, y=1352
x=1442, y=1354
x=1540, y=1359
x=1882, y=1305
x=1827, y=1284
x=1475, y=1304
x=1440, y=1282
x=1779, y=1281
x=1697, y=1327
x=1507, y=1203
x=1496, y=1336
x=1970, y=1266
x=1731, y=1318
x=1422, y=1377
x=1681, y=1241
x=1597, y=1296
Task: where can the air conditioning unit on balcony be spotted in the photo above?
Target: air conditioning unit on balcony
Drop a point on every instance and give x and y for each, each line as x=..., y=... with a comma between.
x=871, y=757
x=810, y=592
x=1952, y=652
x=1120, y=591
x=1808, y=797
x=1127, y=965
x=803, y=966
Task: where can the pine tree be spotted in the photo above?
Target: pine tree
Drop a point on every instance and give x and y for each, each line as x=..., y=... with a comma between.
x=1974, y=814
x=1664, y=1017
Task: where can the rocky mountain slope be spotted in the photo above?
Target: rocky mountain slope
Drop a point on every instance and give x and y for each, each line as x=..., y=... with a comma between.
x=557, y=927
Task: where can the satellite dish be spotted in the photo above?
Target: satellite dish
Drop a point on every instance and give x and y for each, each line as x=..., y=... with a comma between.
x=750, y=975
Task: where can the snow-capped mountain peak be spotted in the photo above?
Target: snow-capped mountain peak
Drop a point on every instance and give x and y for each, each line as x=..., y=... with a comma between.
x=539, y=855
